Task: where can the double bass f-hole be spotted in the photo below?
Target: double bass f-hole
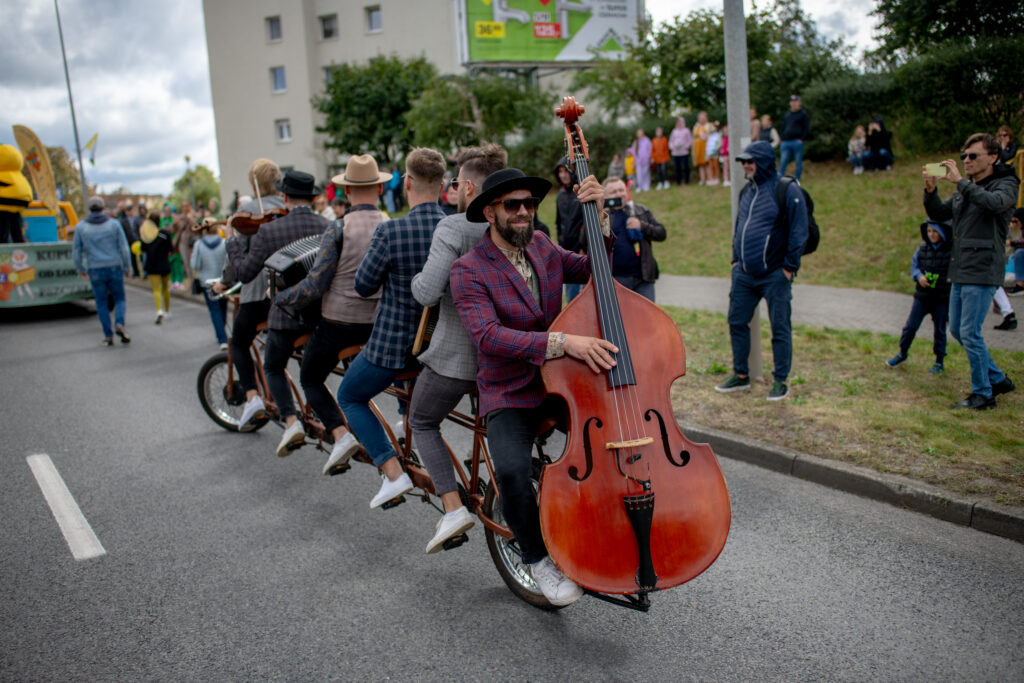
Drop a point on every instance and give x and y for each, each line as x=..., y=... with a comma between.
x=684, y=455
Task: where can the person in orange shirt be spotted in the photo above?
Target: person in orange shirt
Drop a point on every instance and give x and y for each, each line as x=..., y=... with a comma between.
x=660, y=157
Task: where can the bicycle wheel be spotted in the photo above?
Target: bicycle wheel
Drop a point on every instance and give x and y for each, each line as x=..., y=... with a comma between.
x=507, y=558
x=212, y=386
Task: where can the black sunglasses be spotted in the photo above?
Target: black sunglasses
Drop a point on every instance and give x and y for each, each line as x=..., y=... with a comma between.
x=512, y=205
x=454, y=183
x=972, y=156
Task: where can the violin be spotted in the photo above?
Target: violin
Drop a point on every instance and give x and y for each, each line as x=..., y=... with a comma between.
x=632, y=506
x=248, y=223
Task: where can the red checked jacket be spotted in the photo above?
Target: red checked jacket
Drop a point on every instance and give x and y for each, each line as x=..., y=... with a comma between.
x=505, y=322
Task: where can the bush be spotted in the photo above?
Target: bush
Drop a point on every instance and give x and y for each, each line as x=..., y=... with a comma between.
x=839, y=106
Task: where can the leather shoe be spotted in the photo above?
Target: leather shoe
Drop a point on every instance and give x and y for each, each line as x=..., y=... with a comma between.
x=1004, y=387
x=976, y=402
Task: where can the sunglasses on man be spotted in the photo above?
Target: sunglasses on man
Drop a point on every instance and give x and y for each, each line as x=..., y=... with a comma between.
x=972, y=156
x=512, y=205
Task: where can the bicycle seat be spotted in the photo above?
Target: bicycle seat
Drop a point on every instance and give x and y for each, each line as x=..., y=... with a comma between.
x=349, y=352
x=301, y=341
x=262, y=326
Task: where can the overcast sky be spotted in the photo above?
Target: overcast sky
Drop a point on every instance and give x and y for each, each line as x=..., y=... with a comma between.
x=140, y=78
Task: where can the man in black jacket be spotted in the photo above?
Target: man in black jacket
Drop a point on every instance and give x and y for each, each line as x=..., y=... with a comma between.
x=980, y=211
x=795, y=127
x=568, y=217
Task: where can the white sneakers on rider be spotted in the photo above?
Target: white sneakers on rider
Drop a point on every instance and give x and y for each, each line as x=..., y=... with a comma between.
x=449, y=526
x=559, y=590
x=294, y=436
x=344, y=448
x=391, y=489
x=252, y=413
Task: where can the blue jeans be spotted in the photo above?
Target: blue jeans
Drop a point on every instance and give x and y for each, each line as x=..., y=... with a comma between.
x=571, y=291
x=636, y=284
x=108, y=281
x=364, y=380
x=218, y=313
x=857, y=160
x=880, y=161
x=792, y=150
x=968, y=306
x=939, y=311
x=1018, y=265
x=745, y=295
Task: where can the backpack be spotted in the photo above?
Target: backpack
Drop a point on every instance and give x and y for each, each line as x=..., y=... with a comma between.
x=813, y=233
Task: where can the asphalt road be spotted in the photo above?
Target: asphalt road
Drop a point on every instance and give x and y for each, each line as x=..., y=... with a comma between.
x=224, y=562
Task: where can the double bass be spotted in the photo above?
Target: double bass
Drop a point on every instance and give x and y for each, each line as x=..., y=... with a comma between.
x=633, y=506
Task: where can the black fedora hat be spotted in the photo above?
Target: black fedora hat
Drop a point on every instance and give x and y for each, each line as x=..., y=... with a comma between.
x=502, y=182
x=298, y=184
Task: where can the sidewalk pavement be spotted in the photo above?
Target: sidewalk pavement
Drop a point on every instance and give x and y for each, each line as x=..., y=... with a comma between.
x=839, y=309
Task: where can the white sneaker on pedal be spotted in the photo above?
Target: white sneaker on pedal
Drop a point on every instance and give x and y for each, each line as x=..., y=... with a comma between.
x=344, y=448
x=391, y=489
x=559, y=590
x=252, y=413
x=294, y=437
x=450, y=526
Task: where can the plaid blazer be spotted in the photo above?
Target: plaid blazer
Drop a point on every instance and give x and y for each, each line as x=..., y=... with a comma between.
x=300, y=222
x=397, y=252
x=507, y=324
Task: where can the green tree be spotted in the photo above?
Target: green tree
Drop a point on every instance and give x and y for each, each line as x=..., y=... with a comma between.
x=202, y=181
x=909, y=27
x=459, y=111
x=365, y=106
x=66, y=178
x=620, y=83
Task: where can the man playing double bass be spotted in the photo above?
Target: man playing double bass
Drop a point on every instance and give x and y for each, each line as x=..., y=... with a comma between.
x=508, y=290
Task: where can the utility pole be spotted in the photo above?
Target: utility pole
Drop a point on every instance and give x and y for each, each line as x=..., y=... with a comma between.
x=74, y=124
x=737, y=98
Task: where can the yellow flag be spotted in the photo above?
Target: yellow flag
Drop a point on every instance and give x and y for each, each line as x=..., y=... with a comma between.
x=38, y=163
x=91, y=146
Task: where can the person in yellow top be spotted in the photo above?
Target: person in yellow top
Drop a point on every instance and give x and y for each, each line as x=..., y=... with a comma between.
x=630, y=167
x=660, y=156
x=700, y=143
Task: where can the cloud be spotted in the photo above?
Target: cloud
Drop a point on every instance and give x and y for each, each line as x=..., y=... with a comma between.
x=139, y=77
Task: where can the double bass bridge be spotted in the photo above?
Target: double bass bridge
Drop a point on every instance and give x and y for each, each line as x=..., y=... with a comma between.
x=632, y=443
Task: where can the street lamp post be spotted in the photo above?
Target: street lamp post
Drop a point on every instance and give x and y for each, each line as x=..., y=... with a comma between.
x=71, y=101
x=191, y=185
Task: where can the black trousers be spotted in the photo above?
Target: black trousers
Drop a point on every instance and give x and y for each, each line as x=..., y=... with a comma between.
x=320, y=357
x=244, y=331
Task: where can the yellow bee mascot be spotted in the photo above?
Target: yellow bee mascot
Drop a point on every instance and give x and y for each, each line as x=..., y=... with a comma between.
x=15, y=194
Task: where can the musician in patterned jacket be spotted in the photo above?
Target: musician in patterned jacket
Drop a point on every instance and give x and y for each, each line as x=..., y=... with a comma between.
x=397, y=252
x=298, y=189
x=347, y=317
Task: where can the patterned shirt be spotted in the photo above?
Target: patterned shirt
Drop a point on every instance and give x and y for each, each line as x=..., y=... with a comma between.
x=397, y=252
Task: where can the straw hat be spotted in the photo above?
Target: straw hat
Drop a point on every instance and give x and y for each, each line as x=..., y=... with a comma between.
x=361, y=170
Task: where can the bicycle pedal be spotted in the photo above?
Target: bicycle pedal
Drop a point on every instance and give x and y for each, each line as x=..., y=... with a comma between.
x=340, y=468
x=394, y=502
x=455, y=541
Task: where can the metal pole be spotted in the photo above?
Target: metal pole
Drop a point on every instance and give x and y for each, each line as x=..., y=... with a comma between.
x=737, y=97
x=74, y=124
x=191, y=185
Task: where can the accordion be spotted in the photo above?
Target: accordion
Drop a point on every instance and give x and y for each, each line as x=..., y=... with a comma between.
x=288, y=266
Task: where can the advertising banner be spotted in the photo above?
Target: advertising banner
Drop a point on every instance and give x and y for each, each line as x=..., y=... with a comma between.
x=539, y=31
x=37, y=161
x=39, y=275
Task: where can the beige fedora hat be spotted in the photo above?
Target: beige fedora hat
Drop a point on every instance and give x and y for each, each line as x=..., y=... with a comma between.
x=361, y=170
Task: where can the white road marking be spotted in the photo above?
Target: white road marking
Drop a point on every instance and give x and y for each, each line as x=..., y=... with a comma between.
x=81, y=540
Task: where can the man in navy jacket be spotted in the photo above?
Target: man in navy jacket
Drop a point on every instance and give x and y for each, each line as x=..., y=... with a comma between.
x=766, y=249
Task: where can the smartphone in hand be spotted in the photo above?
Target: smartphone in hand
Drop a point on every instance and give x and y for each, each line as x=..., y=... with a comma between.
x=936, y=170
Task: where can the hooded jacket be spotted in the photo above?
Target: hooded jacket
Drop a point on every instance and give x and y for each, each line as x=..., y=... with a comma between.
x=568, y=211
x=980, y=213
x=101, y=241
x=932, y=258
x=762, y=241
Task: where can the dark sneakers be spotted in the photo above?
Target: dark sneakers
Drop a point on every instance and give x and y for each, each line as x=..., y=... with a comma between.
x=1009, y=323
x=734, y=383
x=937, y=368
x=1004, y=387
x=123, y=335
x=898, y=359
x=779, y=391
x=976, y=402
x=1016, y=290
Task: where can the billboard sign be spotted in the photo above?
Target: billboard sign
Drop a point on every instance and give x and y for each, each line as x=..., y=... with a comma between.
x=540, y=31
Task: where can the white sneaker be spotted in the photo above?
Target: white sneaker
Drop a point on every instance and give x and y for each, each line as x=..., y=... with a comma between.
x=223, y=346
x=252, y=414
x=727, y=184
x=159, y=317
x=293, y=439
x=343, y=450
x=559, y=590
x=398, y=428
x=450, y=526
x=391, y=489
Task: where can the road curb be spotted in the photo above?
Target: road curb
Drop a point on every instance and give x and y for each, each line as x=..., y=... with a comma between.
x=913, y=495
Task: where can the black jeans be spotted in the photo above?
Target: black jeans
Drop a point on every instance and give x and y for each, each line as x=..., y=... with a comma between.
x=510, y=435
x=938, y=309
x=320, y=357
x=662, y=173
x=244, y=331
x=280, y=344
x=682, y=169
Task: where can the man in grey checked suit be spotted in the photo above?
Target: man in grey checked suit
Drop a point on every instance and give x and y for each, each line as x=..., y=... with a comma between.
x=397, y=252
x=450, y=362
x=298, y=189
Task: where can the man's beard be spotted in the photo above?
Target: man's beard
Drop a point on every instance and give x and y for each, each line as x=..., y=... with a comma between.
x=461, y=203
x=518, y=237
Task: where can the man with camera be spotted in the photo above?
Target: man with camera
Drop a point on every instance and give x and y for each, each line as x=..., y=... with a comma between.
x=634, y=227
x=979, y=210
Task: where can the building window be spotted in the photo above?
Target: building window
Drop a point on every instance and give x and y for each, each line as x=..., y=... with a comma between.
x=277, y=81
x=373, y=23
x=329, y=26
x=273, y=28
x=328, y=74
x=283, y=130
